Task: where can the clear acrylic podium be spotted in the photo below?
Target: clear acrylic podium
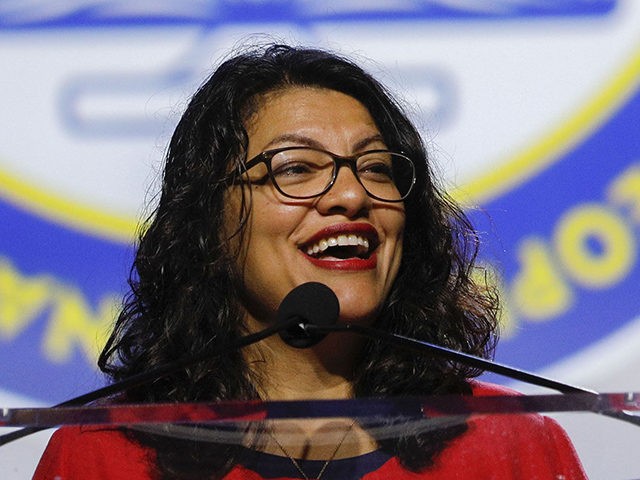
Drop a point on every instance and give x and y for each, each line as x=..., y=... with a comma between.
x=604, y=428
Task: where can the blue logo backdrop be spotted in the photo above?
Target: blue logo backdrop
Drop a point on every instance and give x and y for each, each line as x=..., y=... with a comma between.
x=562, y=240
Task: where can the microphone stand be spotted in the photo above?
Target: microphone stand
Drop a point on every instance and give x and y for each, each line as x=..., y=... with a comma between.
x=154, y=374
x=456, y=356
x=310, y=302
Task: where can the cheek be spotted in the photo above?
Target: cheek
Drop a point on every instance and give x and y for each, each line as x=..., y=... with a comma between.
x=268, y=231
x=267, y=265
x=397, y=233
x=395, y=228
x=267, y=235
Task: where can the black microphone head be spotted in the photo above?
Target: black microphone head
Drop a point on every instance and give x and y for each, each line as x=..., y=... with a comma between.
x=313, y=303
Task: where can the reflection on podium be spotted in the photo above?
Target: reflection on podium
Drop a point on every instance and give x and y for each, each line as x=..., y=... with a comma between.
x=500, y=436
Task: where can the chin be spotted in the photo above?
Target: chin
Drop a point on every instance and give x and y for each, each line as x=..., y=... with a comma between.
x=358, y=313
x=357, y=304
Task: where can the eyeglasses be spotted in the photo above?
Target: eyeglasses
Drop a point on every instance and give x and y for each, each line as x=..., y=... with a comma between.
x=304, y=172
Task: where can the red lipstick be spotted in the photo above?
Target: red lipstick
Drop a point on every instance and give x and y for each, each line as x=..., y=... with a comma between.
x=357, y=261
x=345, y=264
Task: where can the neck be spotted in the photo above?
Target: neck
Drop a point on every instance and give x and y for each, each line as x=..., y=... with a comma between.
x=327, y=439
x=324, y=371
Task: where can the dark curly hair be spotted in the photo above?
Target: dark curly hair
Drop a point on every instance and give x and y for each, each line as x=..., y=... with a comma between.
x=183, y=301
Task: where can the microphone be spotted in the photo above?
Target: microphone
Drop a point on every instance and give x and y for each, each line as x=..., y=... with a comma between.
x=309, y=303
x=312, y=303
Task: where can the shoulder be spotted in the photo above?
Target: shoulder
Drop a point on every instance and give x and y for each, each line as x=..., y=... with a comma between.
x=521, y=439
x=531, y=421
x=510, y=421
x=481, y=389
x=93, y=453
x=94, y=437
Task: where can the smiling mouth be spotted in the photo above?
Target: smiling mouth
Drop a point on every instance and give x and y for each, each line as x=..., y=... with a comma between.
x=342, y=247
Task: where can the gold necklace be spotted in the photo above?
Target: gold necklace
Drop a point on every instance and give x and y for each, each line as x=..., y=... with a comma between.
x=326, y=463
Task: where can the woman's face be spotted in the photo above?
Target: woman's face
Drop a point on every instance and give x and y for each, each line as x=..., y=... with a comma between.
x=281, y=232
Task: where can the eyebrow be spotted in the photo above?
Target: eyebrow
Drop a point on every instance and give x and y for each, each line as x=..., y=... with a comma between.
x=368, y=141
x=303, y=140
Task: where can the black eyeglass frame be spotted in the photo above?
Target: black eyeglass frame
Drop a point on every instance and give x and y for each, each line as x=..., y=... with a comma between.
x=339, y=161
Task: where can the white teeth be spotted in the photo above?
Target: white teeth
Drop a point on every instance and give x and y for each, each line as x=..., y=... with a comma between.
x=340, y=240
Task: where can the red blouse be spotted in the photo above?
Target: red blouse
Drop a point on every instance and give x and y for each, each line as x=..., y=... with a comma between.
x=498, y=447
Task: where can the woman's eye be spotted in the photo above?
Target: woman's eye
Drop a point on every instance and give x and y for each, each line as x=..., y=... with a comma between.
x=291, y=169
x=379, y=170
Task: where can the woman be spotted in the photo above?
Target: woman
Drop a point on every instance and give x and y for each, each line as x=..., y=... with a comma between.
x=255, y=201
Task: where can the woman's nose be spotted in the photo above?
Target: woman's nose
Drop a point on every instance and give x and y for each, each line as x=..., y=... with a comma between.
x=347, y=195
